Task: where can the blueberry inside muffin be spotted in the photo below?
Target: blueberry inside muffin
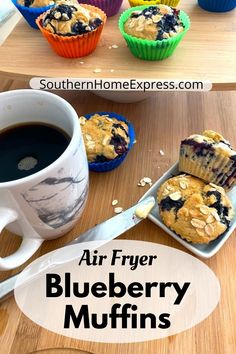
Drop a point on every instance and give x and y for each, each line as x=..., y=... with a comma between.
x=36, y=3
x=196, y=211
x=68, y=18
x=209, y=156
x=154, y=23
x=106, y=138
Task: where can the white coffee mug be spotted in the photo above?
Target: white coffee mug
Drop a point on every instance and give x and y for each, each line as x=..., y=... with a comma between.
x=48, y=203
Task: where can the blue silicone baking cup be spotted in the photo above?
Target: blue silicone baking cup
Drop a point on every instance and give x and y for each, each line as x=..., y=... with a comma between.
x=111, y=165
x=31, y=13
x=217, y=5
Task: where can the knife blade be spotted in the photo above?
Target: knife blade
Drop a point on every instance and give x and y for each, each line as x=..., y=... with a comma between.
x=106, y=231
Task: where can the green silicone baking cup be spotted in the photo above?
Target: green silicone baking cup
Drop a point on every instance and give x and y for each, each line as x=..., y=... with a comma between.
x=152, y=50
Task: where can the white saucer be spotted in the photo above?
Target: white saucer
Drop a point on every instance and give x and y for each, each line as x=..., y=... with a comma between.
x=204, y=251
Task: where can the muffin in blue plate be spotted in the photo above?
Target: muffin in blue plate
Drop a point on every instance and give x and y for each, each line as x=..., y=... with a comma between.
x=108, y=137
x=32, y=9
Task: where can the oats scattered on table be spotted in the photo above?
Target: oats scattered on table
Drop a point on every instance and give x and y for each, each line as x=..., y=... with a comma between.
x=96, y=71
x=145, y=180
x=115, y=46
x=81, y=62
x=141, y=183
x=114, y=202
x=161, y=152
x=118, y=210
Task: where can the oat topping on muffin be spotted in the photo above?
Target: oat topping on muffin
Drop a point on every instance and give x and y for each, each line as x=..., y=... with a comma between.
x=36, y=3
x=68, y=18
x=210, y=157
x=196, y=211
x=154, y=23
x=105, y=138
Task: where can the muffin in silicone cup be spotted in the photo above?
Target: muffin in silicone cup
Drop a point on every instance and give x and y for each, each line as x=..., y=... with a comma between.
x=75, y=20
x=172, y=3
x=110, y=7
x=217, y=5
x=107, y=140
x=210, y=157
x=32, y=13
x=157, y=48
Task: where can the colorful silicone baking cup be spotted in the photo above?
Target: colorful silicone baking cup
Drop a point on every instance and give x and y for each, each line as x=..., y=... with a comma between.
x=31, y=13
x=111, y=165
x=110, y=7
x=152, y=50
x=172, y=3
x=74, y=46
x=217, y=5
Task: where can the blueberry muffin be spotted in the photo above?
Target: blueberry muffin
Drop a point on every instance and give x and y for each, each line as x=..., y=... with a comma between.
x=36, y=3
x=196, y=211
x=32, y=9
x=106, y=138
x=210, y=157
x=68, y=18
x=154, y=23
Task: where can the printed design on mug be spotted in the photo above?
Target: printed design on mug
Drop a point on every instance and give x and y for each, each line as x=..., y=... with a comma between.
x=57, y=201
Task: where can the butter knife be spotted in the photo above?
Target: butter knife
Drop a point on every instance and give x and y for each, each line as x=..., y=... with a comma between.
x=106, y=231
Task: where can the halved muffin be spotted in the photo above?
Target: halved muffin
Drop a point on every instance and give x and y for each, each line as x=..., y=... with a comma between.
x=210, y=157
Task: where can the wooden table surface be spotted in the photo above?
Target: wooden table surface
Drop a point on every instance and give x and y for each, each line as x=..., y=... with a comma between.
x=208, y=52
x=160, y=123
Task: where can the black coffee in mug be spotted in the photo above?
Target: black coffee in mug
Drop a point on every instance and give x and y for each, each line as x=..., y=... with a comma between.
x=28, y=148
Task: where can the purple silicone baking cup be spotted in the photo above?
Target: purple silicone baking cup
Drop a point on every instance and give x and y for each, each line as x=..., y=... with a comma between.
x=111, y=165
x=31, y=13
x=217, y=5
x=110, y=7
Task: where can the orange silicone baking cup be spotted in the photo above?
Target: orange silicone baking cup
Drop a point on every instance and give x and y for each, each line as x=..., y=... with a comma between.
x=74, y=46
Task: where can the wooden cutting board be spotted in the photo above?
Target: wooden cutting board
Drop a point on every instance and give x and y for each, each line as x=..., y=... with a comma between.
x=208, y=52
x=160, y=123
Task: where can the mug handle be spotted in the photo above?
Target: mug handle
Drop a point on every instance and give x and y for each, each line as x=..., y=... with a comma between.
x=29, y=245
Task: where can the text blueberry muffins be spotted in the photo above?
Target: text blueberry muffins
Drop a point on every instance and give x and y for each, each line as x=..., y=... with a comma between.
x=196, y=211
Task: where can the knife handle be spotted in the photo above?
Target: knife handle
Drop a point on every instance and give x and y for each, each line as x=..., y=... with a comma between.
x=7, y=287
